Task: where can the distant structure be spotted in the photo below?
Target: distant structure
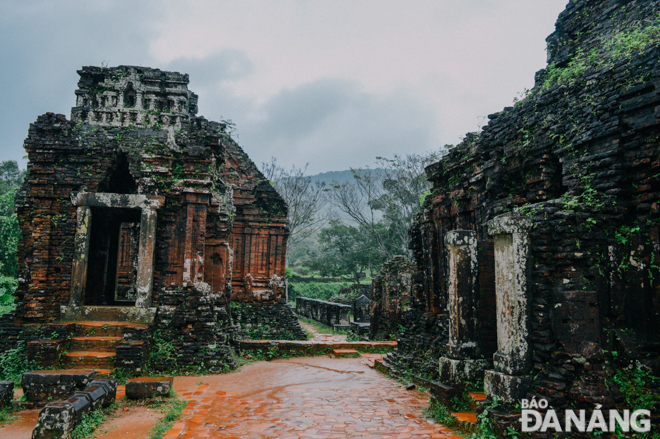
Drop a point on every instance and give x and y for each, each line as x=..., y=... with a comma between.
x=138, y=211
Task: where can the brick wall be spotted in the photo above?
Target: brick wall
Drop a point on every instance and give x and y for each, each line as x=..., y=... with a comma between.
x=580, y=155
x=134, y=130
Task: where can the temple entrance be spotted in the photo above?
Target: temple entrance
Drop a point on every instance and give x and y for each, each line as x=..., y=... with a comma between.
x=113, y=257
x=112, y=272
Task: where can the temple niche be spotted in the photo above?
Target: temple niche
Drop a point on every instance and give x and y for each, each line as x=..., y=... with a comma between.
x=139, y=212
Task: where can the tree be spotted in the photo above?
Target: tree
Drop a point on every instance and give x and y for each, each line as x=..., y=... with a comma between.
x=304, y=198
x=383, y=203
x=346, y=251
x=10, y=176
x=10, y=180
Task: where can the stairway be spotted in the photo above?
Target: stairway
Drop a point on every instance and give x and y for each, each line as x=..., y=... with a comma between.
x=94, y=345
x=471, y=416
x=393, y=364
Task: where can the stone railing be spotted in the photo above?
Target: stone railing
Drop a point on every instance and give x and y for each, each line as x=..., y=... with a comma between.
x=328, y=313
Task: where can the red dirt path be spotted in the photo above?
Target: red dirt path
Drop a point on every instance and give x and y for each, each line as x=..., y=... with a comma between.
x=315, y=397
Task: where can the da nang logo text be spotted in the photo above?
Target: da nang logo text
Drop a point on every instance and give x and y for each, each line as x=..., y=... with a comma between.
x=577, y=420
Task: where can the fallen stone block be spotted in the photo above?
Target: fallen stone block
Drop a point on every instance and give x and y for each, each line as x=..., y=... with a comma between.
x=95, y=394
x=43, y=386
x=110, y=387
x=81, y=402
x=59, y=419
x=148, y=387
x=6, y=393
x=56, y=421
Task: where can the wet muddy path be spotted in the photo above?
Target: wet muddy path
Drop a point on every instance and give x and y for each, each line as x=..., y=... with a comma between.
x=318, y=397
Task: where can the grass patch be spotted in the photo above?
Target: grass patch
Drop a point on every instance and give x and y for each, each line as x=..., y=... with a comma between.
x=440, y=413
x=276, y=353
x=7, y=415
x=308, y=333
x=91, y=421
x=172, y=409
x=88, y=424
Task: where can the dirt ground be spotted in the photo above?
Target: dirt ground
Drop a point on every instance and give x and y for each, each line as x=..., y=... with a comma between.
x=337, y=338
x=319, y=397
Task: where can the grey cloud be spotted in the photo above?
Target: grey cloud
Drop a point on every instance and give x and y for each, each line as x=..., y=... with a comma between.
x=45, y=42
x=295, y=113
x=326, y=121
x=215, y=69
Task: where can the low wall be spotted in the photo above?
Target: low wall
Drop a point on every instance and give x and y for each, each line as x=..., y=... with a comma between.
x=266, y=321
x=328, y=313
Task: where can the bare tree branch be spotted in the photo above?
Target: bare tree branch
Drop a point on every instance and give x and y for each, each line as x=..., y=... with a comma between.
x=384, y=201
x=304, y=198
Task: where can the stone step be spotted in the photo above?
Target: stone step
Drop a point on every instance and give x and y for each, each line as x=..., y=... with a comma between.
x=149, y=387
x=475, y=399
x=468, y=417
x=442, y=392
x=339, y=353
x=103, y=329
x=98, y=344
x=360, y=346
x=370, y=359
x=89, y=360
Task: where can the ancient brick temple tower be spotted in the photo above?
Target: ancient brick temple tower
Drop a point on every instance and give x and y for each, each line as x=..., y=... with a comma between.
x=139, y=211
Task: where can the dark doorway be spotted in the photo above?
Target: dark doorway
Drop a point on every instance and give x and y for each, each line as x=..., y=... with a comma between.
x=113, y=257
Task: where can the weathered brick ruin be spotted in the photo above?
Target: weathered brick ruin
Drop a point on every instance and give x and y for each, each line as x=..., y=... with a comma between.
x=540, y=240
x=141, y=213
x=391, y=296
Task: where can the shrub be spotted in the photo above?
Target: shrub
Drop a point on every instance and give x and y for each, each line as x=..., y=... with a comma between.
x=315, y=290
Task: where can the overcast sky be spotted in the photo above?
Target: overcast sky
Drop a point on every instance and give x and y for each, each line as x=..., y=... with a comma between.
x=331, y=82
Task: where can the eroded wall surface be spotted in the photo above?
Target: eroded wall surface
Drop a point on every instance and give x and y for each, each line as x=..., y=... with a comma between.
x=216, y=220
x=578, y=157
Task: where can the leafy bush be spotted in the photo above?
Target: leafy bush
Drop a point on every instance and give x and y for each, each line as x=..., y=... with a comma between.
x=315, y=290
x=10, y=180
x=13, y=363
x=8, y=287
x=637, y=385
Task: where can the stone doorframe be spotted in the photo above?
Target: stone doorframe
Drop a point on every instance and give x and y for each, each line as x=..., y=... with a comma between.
x=513, y=265
x=462, y=362
x=144, y=282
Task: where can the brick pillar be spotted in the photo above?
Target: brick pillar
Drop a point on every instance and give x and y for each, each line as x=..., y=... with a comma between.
x=462, y=361
x=513, y=360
